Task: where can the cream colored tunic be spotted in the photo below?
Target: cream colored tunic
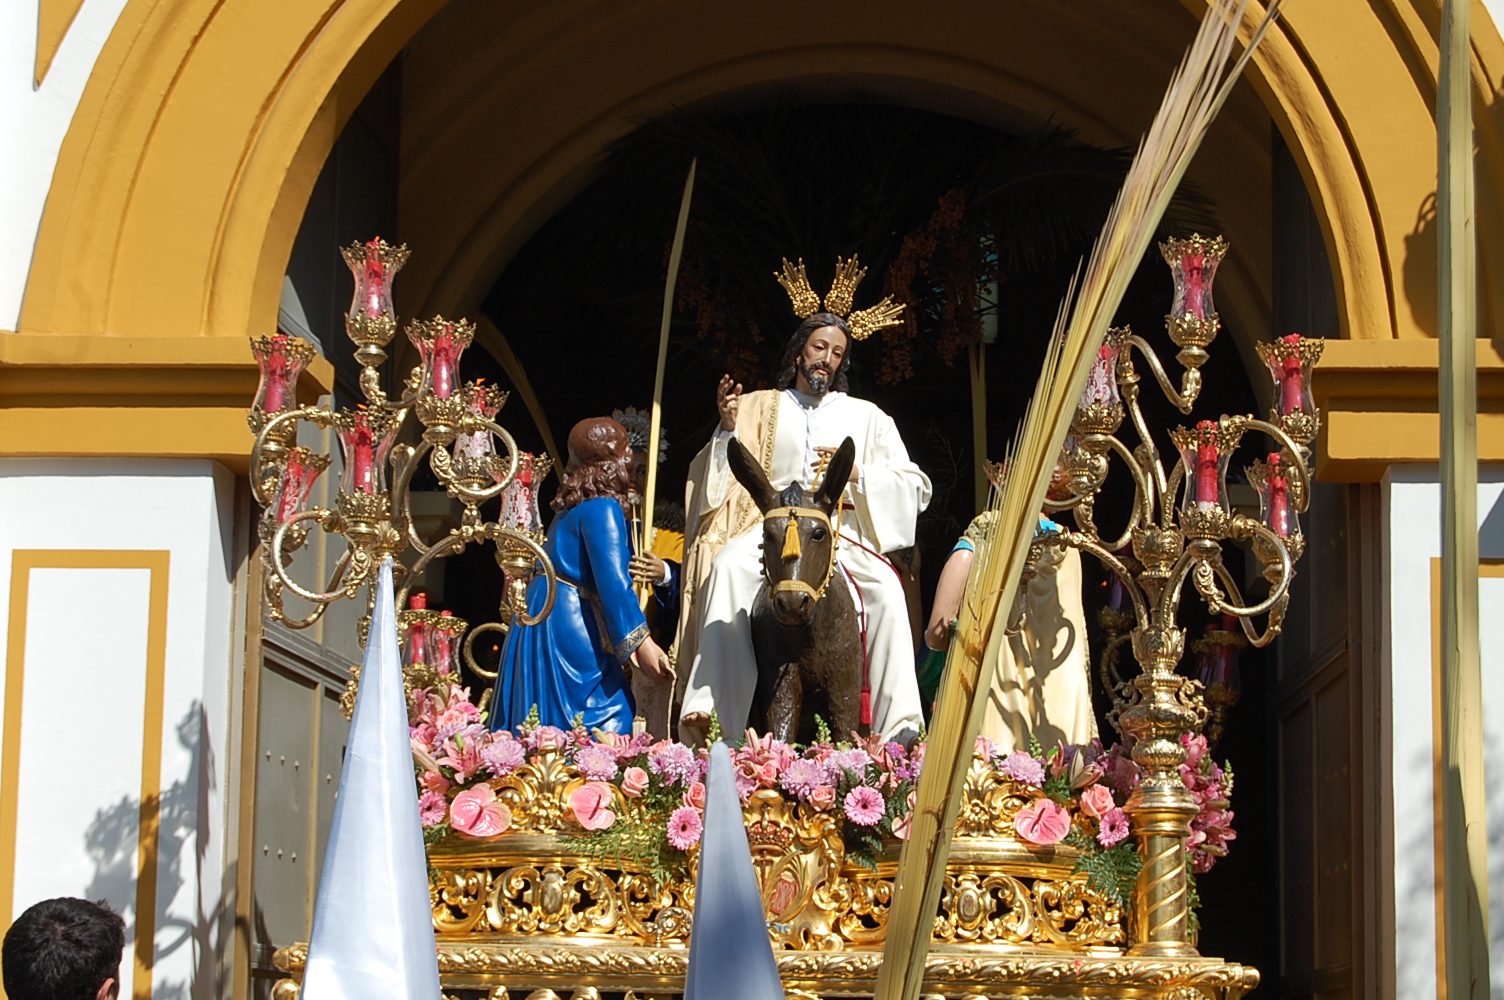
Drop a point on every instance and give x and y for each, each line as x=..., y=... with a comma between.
x=1042, y=684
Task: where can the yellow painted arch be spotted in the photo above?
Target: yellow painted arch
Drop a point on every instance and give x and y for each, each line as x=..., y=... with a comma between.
x=184, y=175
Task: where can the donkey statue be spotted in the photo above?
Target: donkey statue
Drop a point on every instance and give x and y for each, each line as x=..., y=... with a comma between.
x=804, y=630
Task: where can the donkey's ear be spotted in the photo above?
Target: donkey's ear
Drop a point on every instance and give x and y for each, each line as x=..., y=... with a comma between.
x=750, y=475
x=837, y=473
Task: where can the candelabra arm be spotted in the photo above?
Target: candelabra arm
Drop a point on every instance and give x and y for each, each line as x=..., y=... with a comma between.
x=1104, y=555
x=1169, y=597
x=1182, y=400
x=1302, y=493
x=1242, y=527
x=402, y=495
x=370, y=384
x=468, y=649
x=337, y=585
x=497, y=533
x=263, y=491
x=1275, y=606
x=1107, y=666
x=318, y=609
x=1146, y=442
x=476, y=497
x=451, y=544
x=1142, y=511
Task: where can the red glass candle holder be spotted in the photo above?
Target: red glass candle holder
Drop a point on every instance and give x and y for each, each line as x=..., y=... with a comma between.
x=281, y=360
x=441, y=342
x=1205, y=450
x=1290, y=360
x=366, y=438
x=1271, y=480
x=301, y=470
x=1193, y=266
x=371, y=321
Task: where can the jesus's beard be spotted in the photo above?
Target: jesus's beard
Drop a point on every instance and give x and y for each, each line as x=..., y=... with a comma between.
x=817, y=376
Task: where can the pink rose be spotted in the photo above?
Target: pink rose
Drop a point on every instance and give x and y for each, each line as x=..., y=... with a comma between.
x=634, y=781
x=694, y=795
x=433, y=781
x=823, y=797
x=550, y=738
x=1042, y=822
x=475, y=812
x=767, y=773
x=1096, y=801
x=591, y=805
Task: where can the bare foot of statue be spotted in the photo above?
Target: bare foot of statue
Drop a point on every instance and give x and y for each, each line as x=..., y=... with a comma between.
x=694, y=727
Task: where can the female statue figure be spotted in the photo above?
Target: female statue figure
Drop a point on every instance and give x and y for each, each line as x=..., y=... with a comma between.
x=572, y=663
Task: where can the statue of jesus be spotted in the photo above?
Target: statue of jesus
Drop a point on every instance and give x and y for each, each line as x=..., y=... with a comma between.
x=791, y=431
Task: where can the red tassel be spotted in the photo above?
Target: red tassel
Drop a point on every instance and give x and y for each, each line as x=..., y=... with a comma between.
x=866, y=706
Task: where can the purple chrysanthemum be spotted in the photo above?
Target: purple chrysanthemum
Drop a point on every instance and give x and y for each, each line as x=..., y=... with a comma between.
x=685, y=827
x=843, y=762
x=1024, y=767
x=865, y=806
x=801, y=777
x=596, y=762
x=503, y=755
x=675, y=764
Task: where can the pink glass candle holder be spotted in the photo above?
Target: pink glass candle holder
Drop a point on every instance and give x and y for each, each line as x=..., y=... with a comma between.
x=301, y=470
x=371, y=321
x=1193, y=266
x=441, y=342
x=519, y=500
x=281, y=360
x=415, y=645
x=1102, y=382
x=365, y=438
x=483, y=401
x=1271, y=480
x=445, y=642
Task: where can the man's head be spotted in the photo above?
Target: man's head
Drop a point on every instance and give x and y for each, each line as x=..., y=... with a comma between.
x=64, y=949
x=600, y=464
x=817, y=357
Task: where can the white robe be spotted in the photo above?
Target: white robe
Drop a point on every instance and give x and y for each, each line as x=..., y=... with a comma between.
x=885, y=503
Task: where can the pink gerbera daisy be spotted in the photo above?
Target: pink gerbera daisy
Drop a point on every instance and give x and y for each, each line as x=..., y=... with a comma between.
x=432, y=808
x=1113, y=827
x=864, y=806
x=685, y=827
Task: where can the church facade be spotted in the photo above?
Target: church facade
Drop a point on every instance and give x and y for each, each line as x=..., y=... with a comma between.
x=162, y=750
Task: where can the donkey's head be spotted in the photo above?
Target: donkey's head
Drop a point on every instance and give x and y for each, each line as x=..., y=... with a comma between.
x=798, y=531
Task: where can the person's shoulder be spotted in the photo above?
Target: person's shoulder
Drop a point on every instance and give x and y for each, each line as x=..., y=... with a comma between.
x=599, y=507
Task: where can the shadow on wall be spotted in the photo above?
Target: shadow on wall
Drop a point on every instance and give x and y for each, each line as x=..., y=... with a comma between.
x=182, y=821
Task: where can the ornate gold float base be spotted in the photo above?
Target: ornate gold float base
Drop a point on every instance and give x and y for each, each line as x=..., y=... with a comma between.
x=517, y=971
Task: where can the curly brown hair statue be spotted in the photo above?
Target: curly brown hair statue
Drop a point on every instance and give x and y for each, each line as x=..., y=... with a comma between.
x=600, y=464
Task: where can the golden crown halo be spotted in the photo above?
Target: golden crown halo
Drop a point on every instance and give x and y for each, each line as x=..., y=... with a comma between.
x=849, y=274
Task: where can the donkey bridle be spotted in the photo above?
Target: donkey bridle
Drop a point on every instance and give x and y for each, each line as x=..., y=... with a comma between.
x=799, y=586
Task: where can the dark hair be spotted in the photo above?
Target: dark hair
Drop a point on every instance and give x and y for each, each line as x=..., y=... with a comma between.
x=788, y=367
x=600, y=464
x=62, y=949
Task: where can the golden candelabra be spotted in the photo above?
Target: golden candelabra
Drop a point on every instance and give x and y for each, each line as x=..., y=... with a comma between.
x=373, y=507
x=1176, y=529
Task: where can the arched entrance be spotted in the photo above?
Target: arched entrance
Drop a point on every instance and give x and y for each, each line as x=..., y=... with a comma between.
x=186, y=172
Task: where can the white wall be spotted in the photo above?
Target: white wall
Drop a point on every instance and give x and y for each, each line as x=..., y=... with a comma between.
x=85, y=662
x=1412, y=539
x=33, y=121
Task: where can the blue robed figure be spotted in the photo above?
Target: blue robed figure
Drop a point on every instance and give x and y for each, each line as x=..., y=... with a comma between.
x=572, y=663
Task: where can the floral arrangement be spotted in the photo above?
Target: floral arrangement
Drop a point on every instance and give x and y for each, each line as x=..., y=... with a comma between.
x=1074, y=795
